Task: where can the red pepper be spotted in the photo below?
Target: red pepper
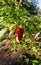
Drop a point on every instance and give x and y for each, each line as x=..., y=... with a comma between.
x=19, y=33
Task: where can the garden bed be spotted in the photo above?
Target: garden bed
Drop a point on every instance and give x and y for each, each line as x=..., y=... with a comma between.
x=15, y=58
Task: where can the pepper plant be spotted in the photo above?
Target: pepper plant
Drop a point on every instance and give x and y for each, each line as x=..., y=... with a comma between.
x=12, y=16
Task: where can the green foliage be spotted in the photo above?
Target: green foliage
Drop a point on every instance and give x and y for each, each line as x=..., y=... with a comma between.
x=34, y=62
x=30, y=7
x=26, y=60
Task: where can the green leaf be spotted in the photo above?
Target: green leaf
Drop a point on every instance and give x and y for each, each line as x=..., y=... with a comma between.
x=2, y=32
x=34, y=62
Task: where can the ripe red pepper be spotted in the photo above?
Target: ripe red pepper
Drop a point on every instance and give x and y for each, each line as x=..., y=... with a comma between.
x=19, y=33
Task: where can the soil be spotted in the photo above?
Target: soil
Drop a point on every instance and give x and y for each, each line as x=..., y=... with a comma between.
x=9, y=58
